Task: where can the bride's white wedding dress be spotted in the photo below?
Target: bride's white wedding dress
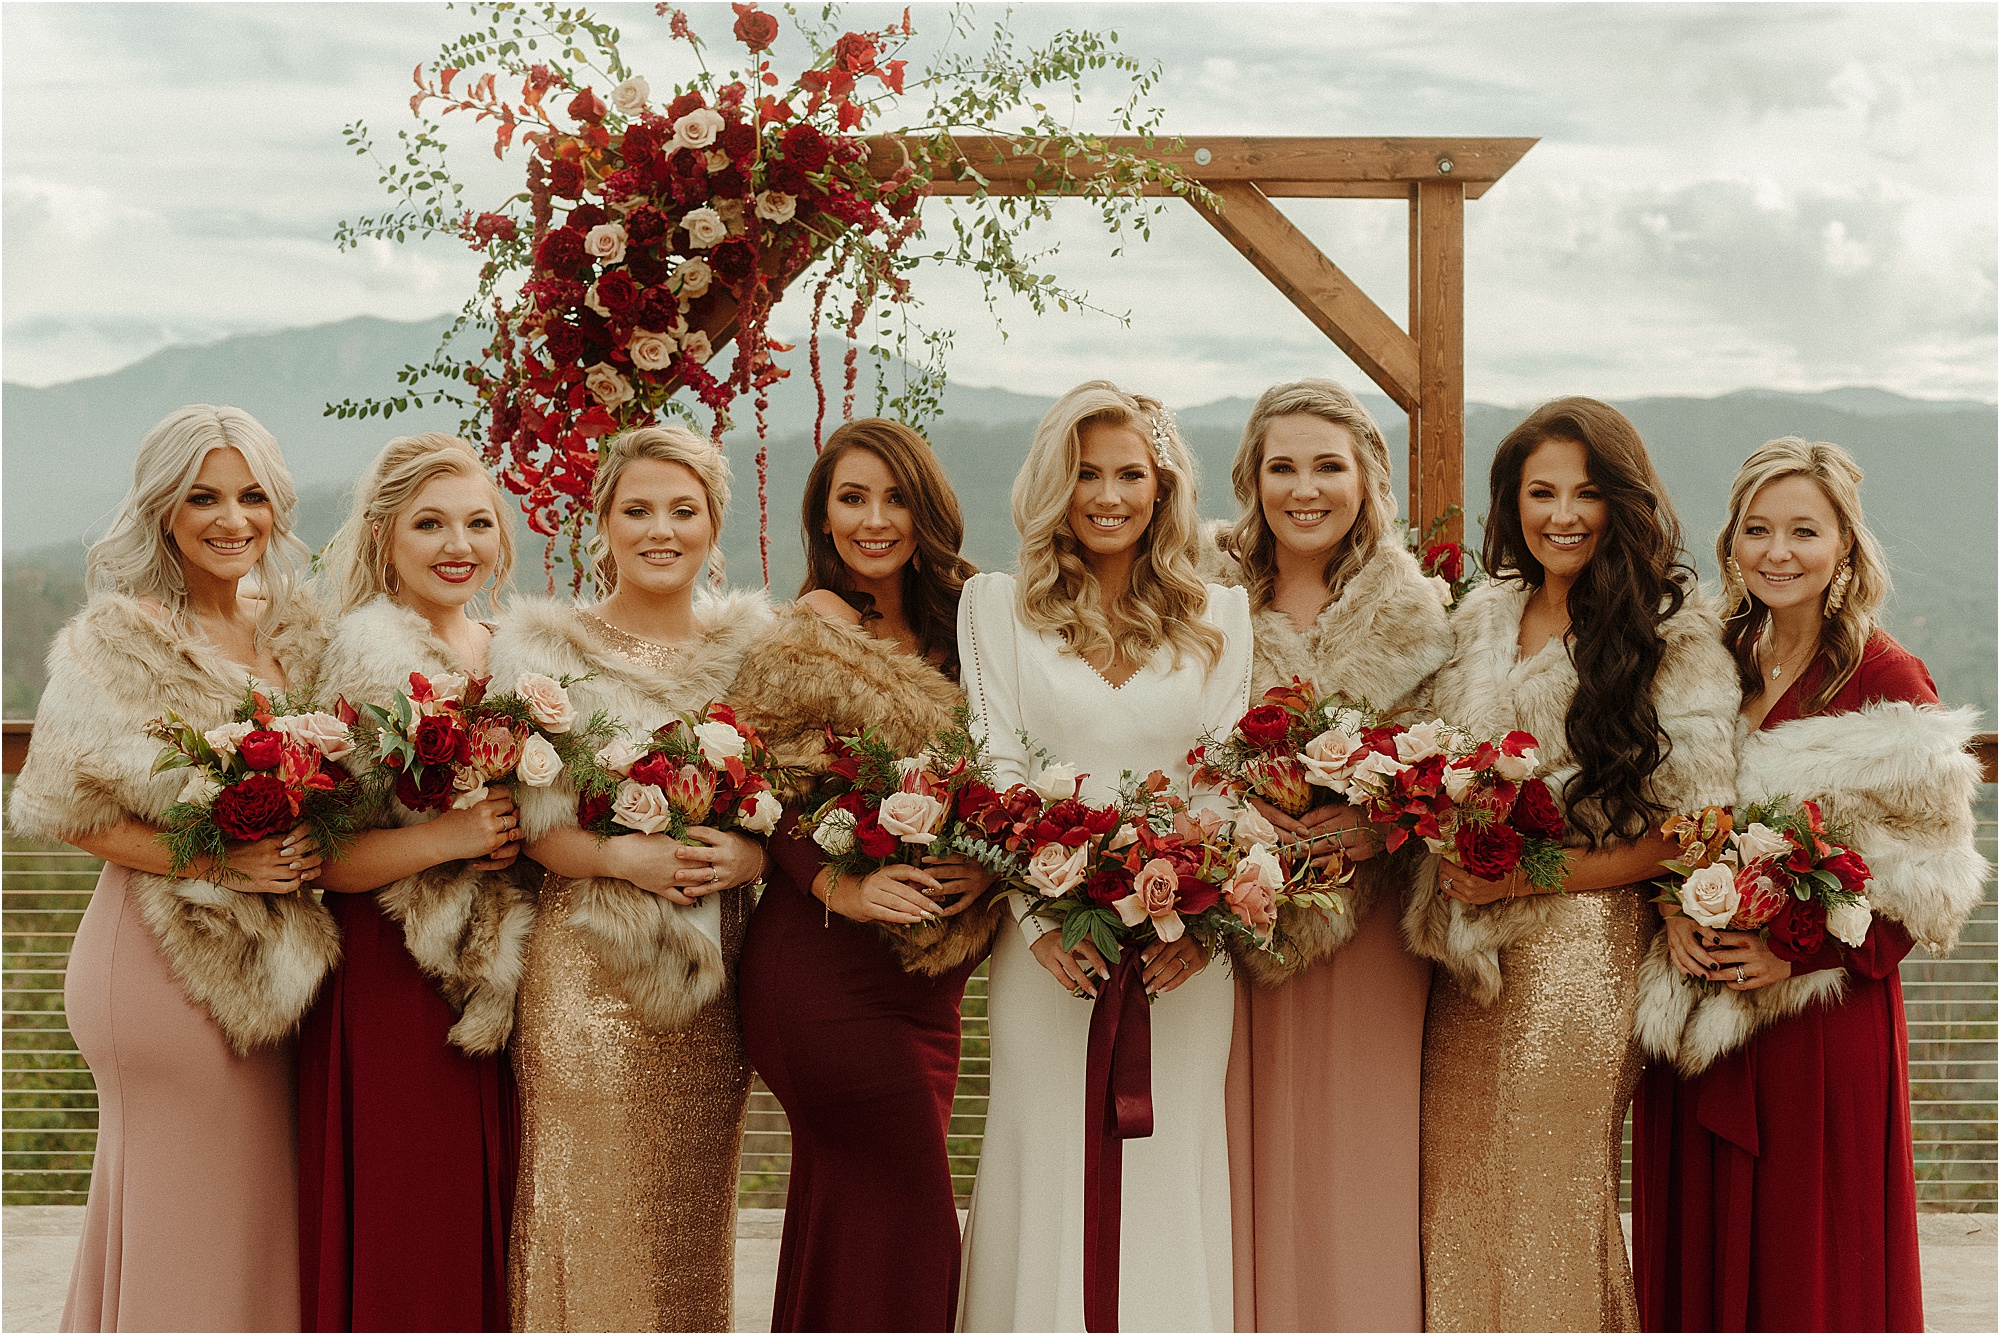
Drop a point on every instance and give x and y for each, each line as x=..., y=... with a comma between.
x=1024, y=1240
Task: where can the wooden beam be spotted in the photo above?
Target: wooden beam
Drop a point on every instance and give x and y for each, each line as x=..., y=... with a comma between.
x=1297, y=268
x=1283, y=166
x=1437, y=480
x=14, y=735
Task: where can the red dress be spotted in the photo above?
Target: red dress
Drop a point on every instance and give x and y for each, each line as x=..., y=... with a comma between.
x=1776, y=1190
x=864, y=1058
x=407, y=1148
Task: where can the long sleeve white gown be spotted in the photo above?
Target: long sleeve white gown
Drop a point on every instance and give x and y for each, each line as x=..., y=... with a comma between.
x=1023, y=1267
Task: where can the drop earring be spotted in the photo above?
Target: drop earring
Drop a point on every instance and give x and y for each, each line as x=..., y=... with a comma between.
x=1836, y=592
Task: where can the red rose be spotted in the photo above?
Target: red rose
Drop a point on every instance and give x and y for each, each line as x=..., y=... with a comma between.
x=591, y=809
x=1107, y=886
x=729, y=183
x=754, y=28
x=433, y=793
x=254, y=808
x=691, y=100
x=656, y=309
x=644, y=226
x=1535, y=813
x=806, y=146
x=1798, y=933
x=565, y=179
x=786, y=177
x=657, y=769
x=737, y=140
x=871, y=838
x=1847, y=865
x=440, y=741
x=642, y=140
x=587, y=106
x=561, y=252
x=1488, y=851
x=1446, y=559
x=564, y=342
x=1266, y=727
x=733, y=260
x=854, y=53
x=584, y=217
x=616, y=291
x=262, y=750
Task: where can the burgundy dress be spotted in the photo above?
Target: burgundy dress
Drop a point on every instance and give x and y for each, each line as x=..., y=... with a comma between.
x=864, y=1058
x=407, y=1148
x=1776, y=1190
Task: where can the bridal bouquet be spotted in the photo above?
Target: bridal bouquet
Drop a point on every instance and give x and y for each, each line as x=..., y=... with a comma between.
x=442, y=742
x=1472, y=800
x=1295, y=741
x=702, y=768
x=255, y=776
x=893, y=808
x=1773, y=868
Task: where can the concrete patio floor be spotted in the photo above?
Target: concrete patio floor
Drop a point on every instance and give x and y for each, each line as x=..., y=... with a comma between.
x=1959, y=1252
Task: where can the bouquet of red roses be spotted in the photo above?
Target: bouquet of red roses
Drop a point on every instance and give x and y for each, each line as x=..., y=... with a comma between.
x=1472, y=800
x=1774, y=868
x=892, y=808
x=255, y=776
x=1295, y=741
x=702, y=768
x=444, y=740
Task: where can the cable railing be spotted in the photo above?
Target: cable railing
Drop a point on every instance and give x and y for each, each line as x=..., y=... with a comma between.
x=48, y=1104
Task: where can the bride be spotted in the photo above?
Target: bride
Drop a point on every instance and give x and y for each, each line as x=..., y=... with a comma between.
x=1108, y=652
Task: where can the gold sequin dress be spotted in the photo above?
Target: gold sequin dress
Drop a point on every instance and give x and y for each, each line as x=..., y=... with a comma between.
x=625, y=1212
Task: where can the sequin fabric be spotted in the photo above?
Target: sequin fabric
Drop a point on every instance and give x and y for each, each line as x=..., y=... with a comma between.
x=625, y=1212
x=1523, y=1105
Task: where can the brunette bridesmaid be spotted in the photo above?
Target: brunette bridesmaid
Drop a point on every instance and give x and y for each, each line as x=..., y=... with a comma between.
x=631, y=1066
x=1772, y=1180
x=850, y=986
x=183, y=992
x=1592, y=637
x=1325, y=1070
x=407, y=1120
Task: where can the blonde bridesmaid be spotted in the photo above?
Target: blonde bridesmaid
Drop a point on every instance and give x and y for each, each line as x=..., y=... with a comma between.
x=1593, y=637
x=632, y=1073
x=183, y=992
x=1324, y=1072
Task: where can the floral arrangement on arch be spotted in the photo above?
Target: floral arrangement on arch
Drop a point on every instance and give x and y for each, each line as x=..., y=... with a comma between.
x=1774, y=868
x=658, y=222
x=1451, y=567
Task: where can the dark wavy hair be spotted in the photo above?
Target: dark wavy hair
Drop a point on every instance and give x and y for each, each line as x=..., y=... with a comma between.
x=935, y=573
x=1636, y=579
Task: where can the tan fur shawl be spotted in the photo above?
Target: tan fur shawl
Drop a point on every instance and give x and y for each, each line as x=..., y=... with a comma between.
x=1488, y=689
x=467, y=930
x=254, y=962
x=1377, y=642
x=659, y=962
x=1899, y=777
x=806, y=674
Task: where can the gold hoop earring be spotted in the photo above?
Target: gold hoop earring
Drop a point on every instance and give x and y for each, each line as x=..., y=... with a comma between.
x=391, y=581
x=1836, y=593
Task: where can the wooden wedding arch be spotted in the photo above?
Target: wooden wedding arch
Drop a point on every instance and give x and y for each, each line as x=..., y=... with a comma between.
x=1421, y=368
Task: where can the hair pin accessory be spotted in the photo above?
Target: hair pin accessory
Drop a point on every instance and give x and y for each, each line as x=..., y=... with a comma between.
x=1163, y=435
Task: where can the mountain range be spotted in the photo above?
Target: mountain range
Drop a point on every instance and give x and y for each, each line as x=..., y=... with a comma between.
x=66, y=452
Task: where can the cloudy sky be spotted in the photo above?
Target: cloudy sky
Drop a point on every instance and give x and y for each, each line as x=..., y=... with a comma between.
x=1779, y=195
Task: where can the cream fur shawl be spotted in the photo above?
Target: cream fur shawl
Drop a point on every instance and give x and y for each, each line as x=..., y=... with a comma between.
x=1898, y=775
x=467, y=930
x=1377, y=642
x=1488, y=689
x=659, y=962
x=806, y=674
x=254, y=962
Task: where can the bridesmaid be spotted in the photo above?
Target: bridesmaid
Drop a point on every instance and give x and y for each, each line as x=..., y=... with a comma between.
x=850, y=988
x=1325, y=1070
x=1772, y=1181
x=183, y=993
x=631, y=1067
x=407, y=1142
x=1592, y=637
x=1110, y=651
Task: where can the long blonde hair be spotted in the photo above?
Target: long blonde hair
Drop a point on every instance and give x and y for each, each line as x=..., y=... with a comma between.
x=1162, y=605
x=137, y=556
x=1251, y=541
x=1846, y=631
x=356, y=564
x=668, y=445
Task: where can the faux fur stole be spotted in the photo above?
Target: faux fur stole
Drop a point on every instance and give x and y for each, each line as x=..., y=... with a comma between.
x=1378, y=641
x=1488, y=688
x=652, y=955
x=1899, y=777
x=253, y=961
x=806, y=674
x=467, y=930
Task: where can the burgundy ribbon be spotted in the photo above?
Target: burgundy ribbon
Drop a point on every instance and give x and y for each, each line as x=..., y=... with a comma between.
x=1118, y=1106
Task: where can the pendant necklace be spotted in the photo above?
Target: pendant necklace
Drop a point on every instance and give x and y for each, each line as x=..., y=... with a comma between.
x=1778, y=669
